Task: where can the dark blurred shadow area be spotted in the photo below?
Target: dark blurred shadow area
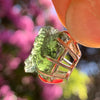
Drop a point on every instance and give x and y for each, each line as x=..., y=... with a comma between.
x=20, y=21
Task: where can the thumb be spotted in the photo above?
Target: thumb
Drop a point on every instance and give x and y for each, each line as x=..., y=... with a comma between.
x=82, y=20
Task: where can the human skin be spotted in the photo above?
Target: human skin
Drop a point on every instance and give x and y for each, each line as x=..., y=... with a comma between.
x=82, y=20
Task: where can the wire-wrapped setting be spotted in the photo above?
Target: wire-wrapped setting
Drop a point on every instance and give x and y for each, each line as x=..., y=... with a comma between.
x=66, y=60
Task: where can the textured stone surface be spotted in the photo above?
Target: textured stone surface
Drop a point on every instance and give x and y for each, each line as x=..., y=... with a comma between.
x=45, y=45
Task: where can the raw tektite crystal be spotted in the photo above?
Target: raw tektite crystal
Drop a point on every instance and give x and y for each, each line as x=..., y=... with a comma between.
x=54, y=55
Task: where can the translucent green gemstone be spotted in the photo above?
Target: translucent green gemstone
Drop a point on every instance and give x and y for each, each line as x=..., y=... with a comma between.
x=45, y=44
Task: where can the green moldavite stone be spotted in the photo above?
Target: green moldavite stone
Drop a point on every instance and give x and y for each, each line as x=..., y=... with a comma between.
x=45, y=44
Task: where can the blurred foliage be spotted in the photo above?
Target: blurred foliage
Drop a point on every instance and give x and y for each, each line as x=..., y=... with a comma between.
x=76, y=85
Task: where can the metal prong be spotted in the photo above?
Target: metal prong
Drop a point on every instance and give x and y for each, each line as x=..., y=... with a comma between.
x=59, y=63
x=67, y=61
x=65, y=45
x=72, y=54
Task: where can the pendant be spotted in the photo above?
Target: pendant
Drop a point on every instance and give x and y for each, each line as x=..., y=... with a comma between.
x=54, y=55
